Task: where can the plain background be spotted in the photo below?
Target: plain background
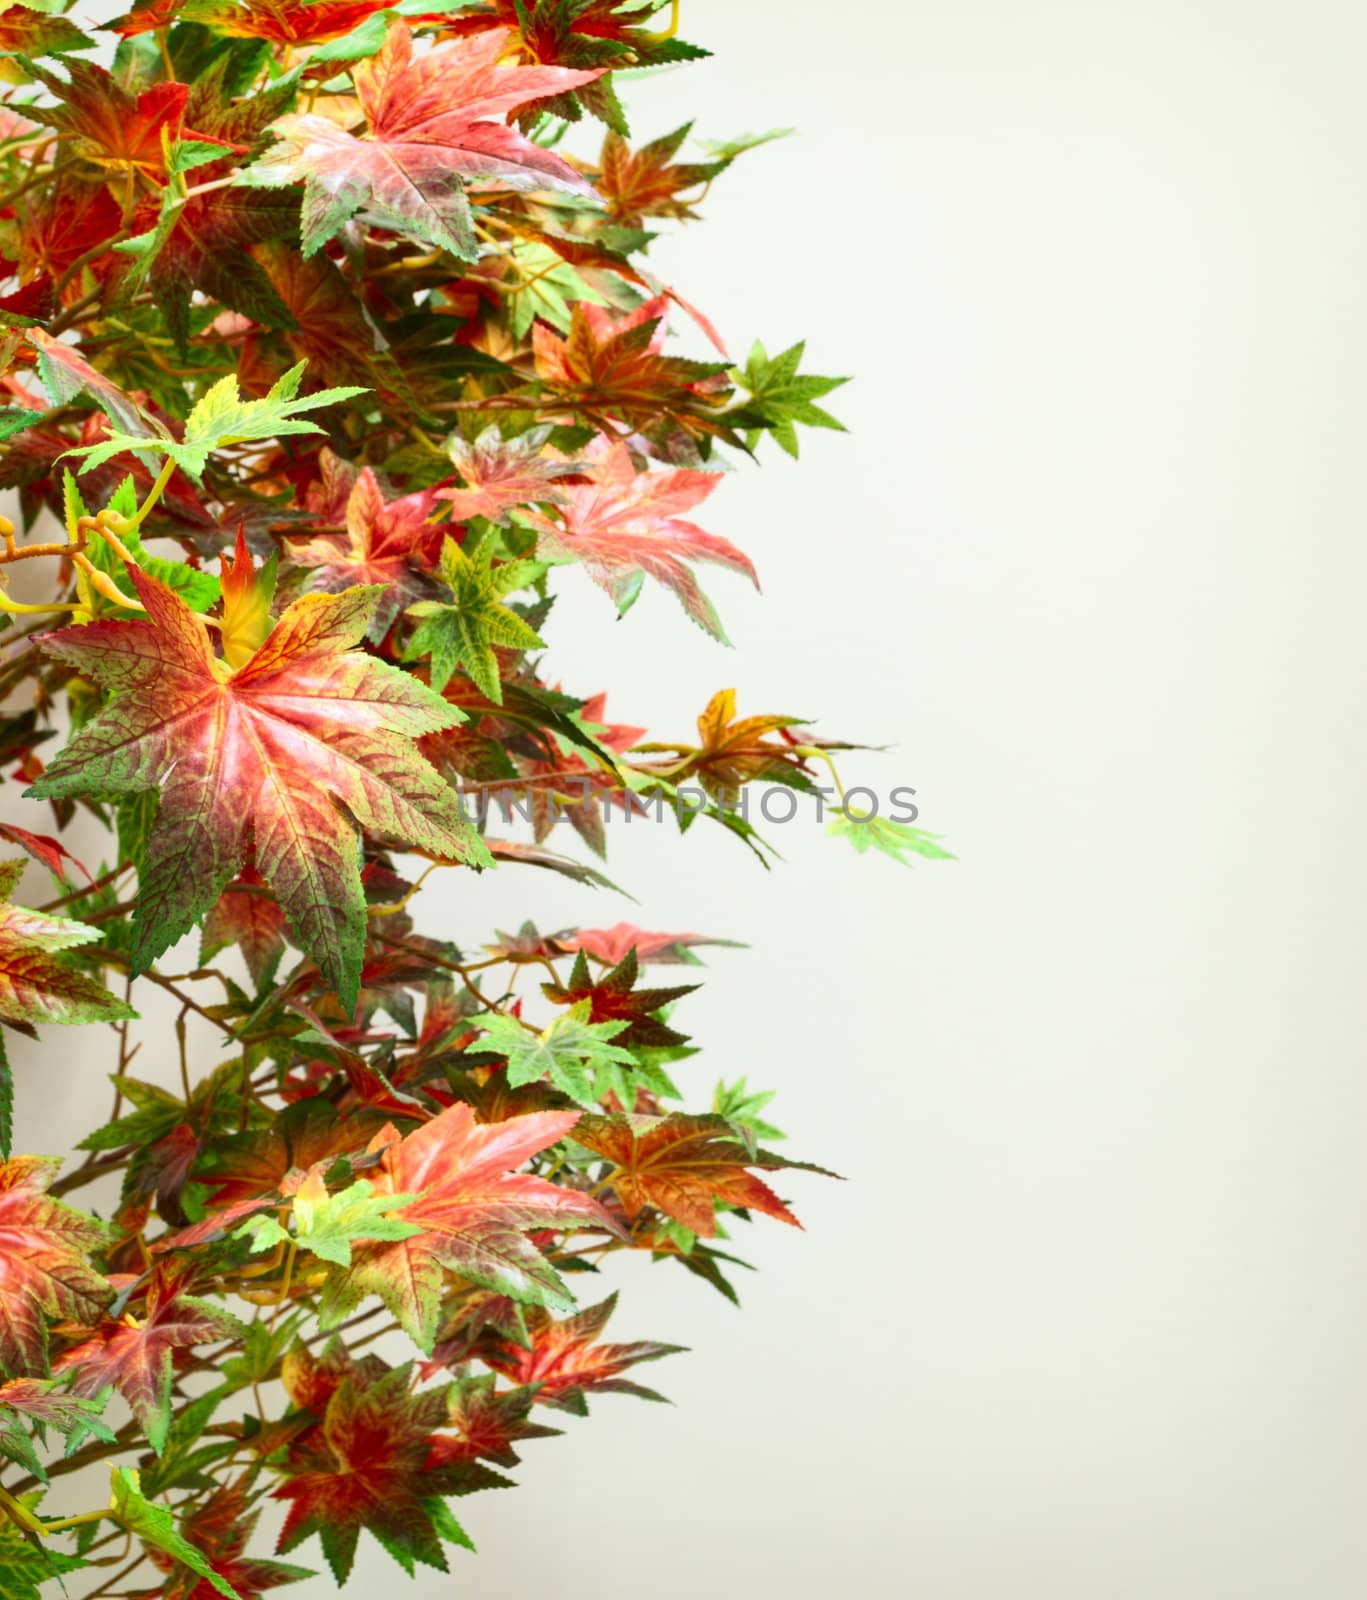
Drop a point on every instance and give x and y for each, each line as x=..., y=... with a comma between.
x=1087, y=1318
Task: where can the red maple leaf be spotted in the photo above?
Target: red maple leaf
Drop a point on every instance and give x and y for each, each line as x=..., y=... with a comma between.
x=245, y=915
x=134, y=1353
x=44, y=1270
x=429, y=134
x=613, y=945
x=565, y=1359
x=389, y=542
x=682, y=1165
x=366, y=1466
x=500, y=473
x=283, y=22
x=116, y=131
x=259, y=757
x=65, y=224
x=204, y=245
x=219, y=1529
x=614, y=997
x=488, y=1421
x=577, y=33
x=475, y=1211
x=623, y=525
x=648, y=182
x=611, y=368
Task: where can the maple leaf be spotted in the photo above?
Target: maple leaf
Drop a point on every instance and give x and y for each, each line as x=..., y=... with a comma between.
x=636, y=184
x=488, y=1421
x=41, y=1405
x=741, y=1107
x=222, y=417
x=283, y=22
x=389, y=543
x=134, y=1354
x=565, y=1360
x=502, y=473
x=568, y=1051
x=63, y=225
x=781, y=397
x=464, y=634
x=734, y=750
x=366, y=1466
x=121, y=134
x=36, y=984
x=25, y=31
x=580, y=33
x=66, y=373
x=612, y=945
x=25, y=1563
x=202, y=242
x=245, y=915
x=328, y=1225
x=614, y=997
x=682, y=1165
x=612, y=368
x=44, y=1271
x=247, y=1168
x=156, y=1527
x=474, y=1210
x=429, y=133
x=220, y=1529
x=267, y=755
x=889, y=838
x=623, y=526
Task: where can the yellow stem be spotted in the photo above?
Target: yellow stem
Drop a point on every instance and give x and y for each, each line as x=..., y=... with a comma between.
x=672, y=29
x=813, y=752
x=17, y=608
x=154, y=494
x=104, y=585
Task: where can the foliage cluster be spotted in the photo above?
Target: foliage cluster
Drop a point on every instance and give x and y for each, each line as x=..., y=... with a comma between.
x=324, y=361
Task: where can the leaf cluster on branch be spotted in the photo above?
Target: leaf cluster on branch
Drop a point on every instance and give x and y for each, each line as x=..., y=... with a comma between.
x=330, y=349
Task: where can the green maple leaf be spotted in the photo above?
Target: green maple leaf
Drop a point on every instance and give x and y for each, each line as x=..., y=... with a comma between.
x=569, y=1052
x=780, y=397
x=222, y=417
x=36, y=984
x=741, y=1106
x=328, y=1224
x=155, y=1526
x=893, y=839
x=549, y=284
x=23, y=1566
x=464, y=634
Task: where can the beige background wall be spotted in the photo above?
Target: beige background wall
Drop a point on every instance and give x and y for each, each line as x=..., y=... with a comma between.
x=1087, y=1320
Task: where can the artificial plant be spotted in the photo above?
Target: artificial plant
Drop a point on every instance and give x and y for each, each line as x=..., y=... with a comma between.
x=323, y=354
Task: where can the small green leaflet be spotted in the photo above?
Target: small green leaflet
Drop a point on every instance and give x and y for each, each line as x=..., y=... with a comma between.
x=894, y=839
x=464, y=634
x=780, y=397
x=155, y=1526
x=222, y=417
x=741, y=1107
x=570, y=1052
x=328, y=1224
x=199, y=590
